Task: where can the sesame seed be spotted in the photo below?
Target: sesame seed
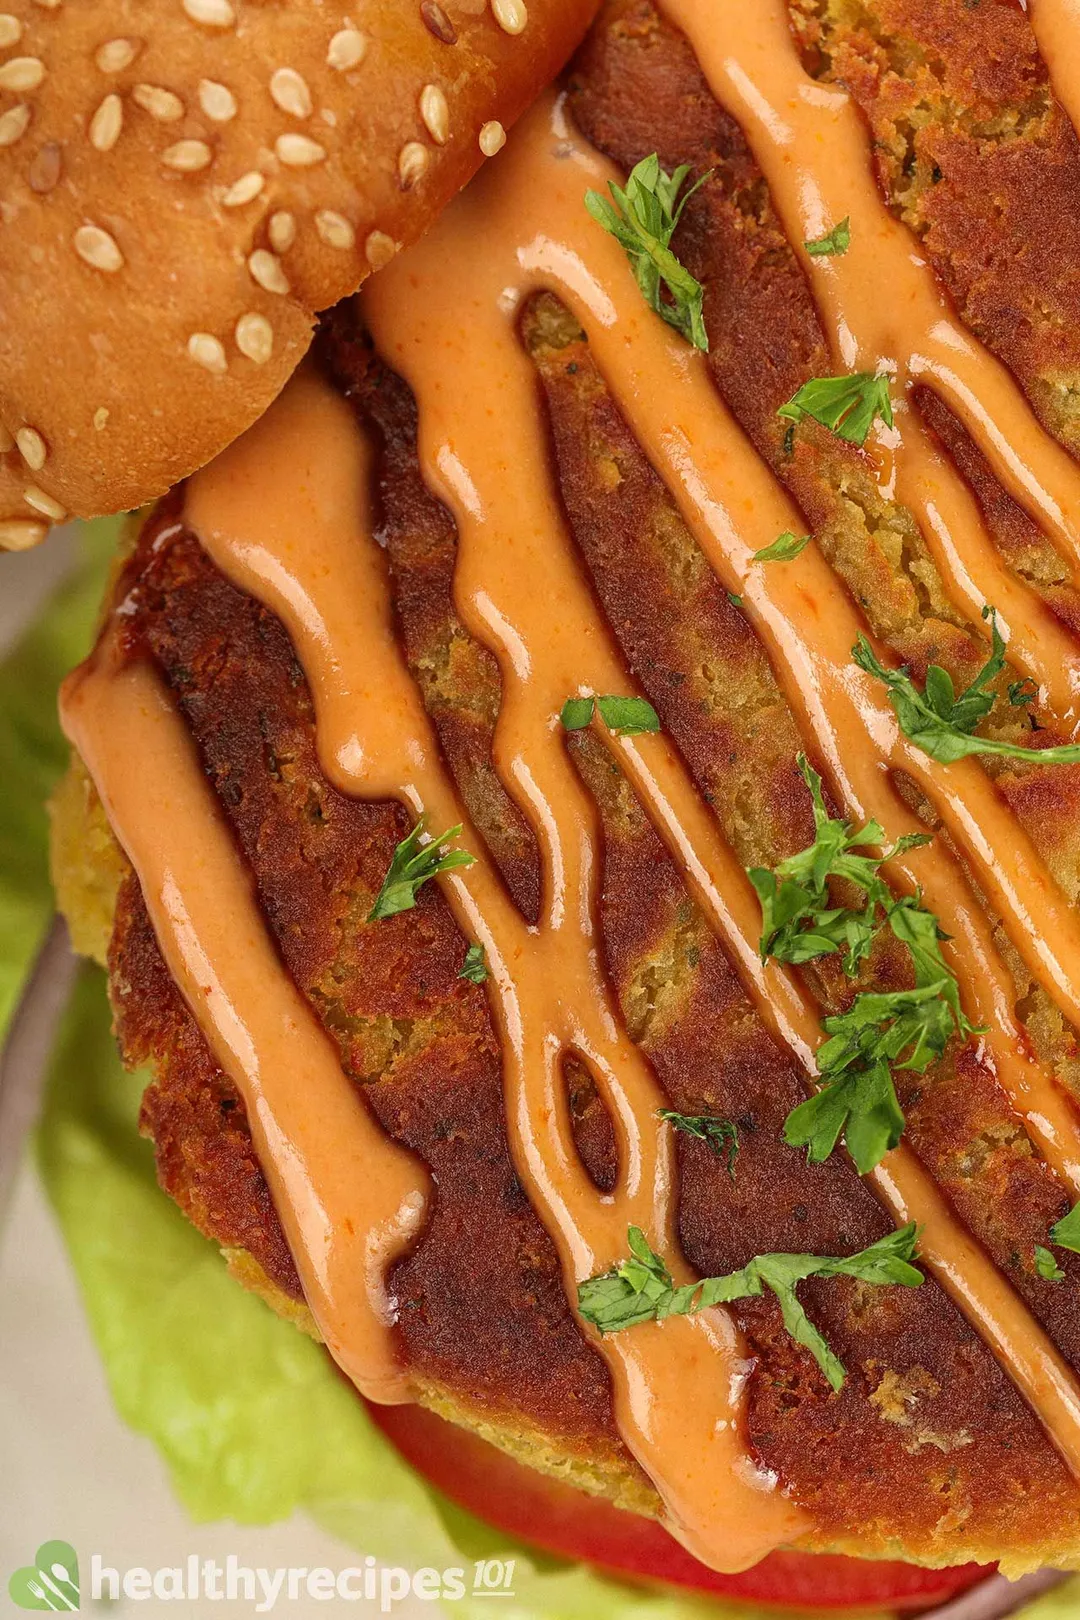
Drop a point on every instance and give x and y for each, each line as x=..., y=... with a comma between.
x=106, y=124
x=266, y=270
x=492, y=138
x=38, y=501
x=7, y=441
x=14, y=123
x=334, y=229
x=162, y=104
x=379, y=249
x=347, y=49
x=44, y=170
x=437, y=22
x=101, y=418
x=255, y=338
x=32, y=447
x=435, y=113
x=289, y=91
x=217, y=101
x=10, y=30
x=117, y=54
x=214, y=13
x=299, y=151
x=22, y=73
x=207, y=351
x=48, y=5
x=511, y=15
x=244, y=190
x=282, y=230
x=97, y=248
x=412, y=161
x=19, y=535
x=187, y=156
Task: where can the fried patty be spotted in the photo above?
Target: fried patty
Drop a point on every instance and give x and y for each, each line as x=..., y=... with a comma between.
x=928, y=1452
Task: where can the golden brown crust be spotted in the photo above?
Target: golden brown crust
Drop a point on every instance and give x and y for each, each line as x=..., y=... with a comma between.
x=129, y=133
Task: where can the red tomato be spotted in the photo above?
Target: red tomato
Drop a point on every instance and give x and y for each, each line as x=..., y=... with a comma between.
x=562, y=1520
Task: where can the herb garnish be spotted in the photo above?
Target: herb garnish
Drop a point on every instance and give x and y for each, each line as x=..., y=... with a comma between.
x=836, y=241
x=942, y=724
x=847, y=405
x=1066, y=1233
x=474, y=968
x=784, y=547
x=1047, y=1266
x=906, y=1028
x=412, y=865
x=722, y=1135
x=798, y=921
x=625, y=716
x=1021, y=692
x=643, y=223
x=641, y=1288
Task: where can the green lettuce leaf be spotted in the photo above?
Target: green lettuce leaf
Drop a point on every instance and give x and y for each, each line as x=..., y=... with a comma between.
x=33, y=754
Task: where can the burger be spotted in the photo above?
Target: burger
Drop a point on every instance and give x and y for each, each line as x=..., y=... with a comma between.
x=578, y=798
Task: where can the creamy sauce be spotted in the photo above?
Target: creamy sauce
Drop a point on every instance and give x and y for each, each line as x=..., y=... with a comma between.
x=1056, y=24
x=349, y=1199
x=285, y=514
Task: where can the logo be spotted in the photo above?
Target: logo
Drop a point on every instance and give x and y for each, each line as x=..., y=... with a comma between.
x=51, y=1582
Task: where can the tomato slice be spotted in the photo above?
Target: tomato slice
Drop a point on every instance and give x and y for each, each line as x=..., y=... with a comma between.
x=561, y=1520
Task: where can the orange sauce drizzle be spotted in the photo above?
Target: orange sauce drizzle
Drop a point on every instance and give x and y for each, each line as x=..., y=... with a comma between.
x=349, y=1199
x=483, y=455
x=285, y=514
x=880, y=300
x=1056, y=26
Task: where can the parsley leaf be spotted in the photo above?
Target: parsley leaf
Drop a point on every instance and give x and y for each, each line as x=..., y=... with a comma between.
x=1047, y=1266
x=411, y=867
x=643, y=222
x=847, y=405
x=722, y=1135
x=940, y=723
x=625, y=716
x=1021, y=692
x=1066, y=1233
x=475, y=967
x=784, y=547
x=641, y=1289
x=577, y=713
x=909, y=1028
x=836, y=241
x=798, y=922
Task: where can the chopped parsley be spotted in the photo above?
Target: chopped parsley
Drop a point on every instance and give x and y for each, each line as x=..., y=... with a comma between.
x=1047, y=1266
x=846, y=406
x=1021, y=692
x=641, y=1289
x=906, y=1028
x=411, y=867
x=722, y=1135
x=625, y=716
x=643, y=221
x=1066, y=1234
x=474, y=968
x=836, y=241
x=942, y=724
x=784, y=547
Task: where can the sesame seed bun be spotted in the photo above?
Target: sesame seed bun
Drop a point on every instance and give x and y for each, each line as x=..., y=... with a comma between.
x=185, y=183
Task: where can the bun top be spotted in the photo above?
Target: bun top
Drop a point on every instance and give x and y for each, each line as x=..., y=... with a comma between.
x=185, y=183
